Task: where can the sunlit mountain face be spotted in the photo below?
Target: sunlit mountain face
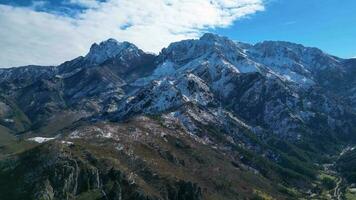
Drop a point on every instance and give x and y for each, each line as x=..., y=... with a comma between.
x=177, y=100
x=206, y=118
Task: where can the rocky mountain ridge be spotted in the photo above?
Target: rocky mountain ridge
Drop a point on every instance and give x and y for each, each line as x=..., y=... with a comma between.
x=269, y=111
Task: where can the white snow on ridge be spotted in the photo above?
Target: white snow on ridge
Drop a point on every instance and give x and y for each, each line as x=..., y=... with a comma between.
x=40, y=139
x=68, y=143
x=166, y=68
x=108, y=49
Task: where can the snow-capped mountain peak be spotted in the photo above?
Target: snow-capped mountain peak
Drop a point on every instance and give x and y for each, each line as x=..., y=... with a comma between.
x=210, y=51
x=109, y=49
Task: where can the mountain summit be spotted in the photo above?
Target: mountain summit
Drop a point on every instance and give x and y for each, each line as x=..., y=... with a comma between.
x=109, y=49
x=207, y=118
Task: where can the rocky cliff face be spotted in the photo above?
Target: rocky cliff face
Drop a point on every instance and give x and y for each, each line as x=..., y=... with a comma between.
x=132, y=125
x=59, y=171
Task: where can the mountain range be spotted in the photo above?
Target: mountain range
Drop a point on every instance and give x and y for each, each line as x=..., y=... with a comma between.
x=209, y=118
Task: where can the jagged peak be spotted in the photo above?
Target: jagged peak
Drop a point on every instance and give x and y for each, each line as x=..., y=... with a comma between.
x=108, y=49
x=279, y=43
x=207, y=38
x=300, y=51
x=208, y=43
x=295, y=47
x=212, y=37
x=111, y=42
x=217, y=40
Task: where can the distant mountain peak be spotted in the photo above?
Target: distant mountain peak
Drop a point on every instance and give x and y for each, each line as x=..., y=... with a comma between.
x=217, y=40
x=212, y=37
x=207, y=44
x=118, y=118
x=108, y=49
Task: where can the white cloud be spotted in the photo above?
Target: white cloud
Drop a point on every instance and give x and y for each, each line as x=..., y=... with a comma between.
x=32, y=37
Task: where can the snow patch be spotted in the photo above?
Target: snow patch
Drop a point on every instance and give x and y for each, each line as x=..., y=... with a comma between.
x=40, y=139
x=67, y=142
x=75, y=135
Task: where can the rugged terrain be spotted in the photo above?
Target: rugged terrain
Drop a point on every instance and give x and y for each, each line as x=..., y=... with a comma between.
x=205, y=119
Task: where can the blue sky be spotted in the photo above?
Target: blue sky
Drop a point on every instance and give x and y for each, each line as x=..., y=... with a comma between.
x=49, y=32
x=327, y=24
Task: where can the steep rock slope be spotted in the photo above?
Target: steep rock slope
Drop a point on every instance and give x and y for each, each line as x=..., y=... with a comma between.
x=254, y=85
x=77, y=88
x=205, y=119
